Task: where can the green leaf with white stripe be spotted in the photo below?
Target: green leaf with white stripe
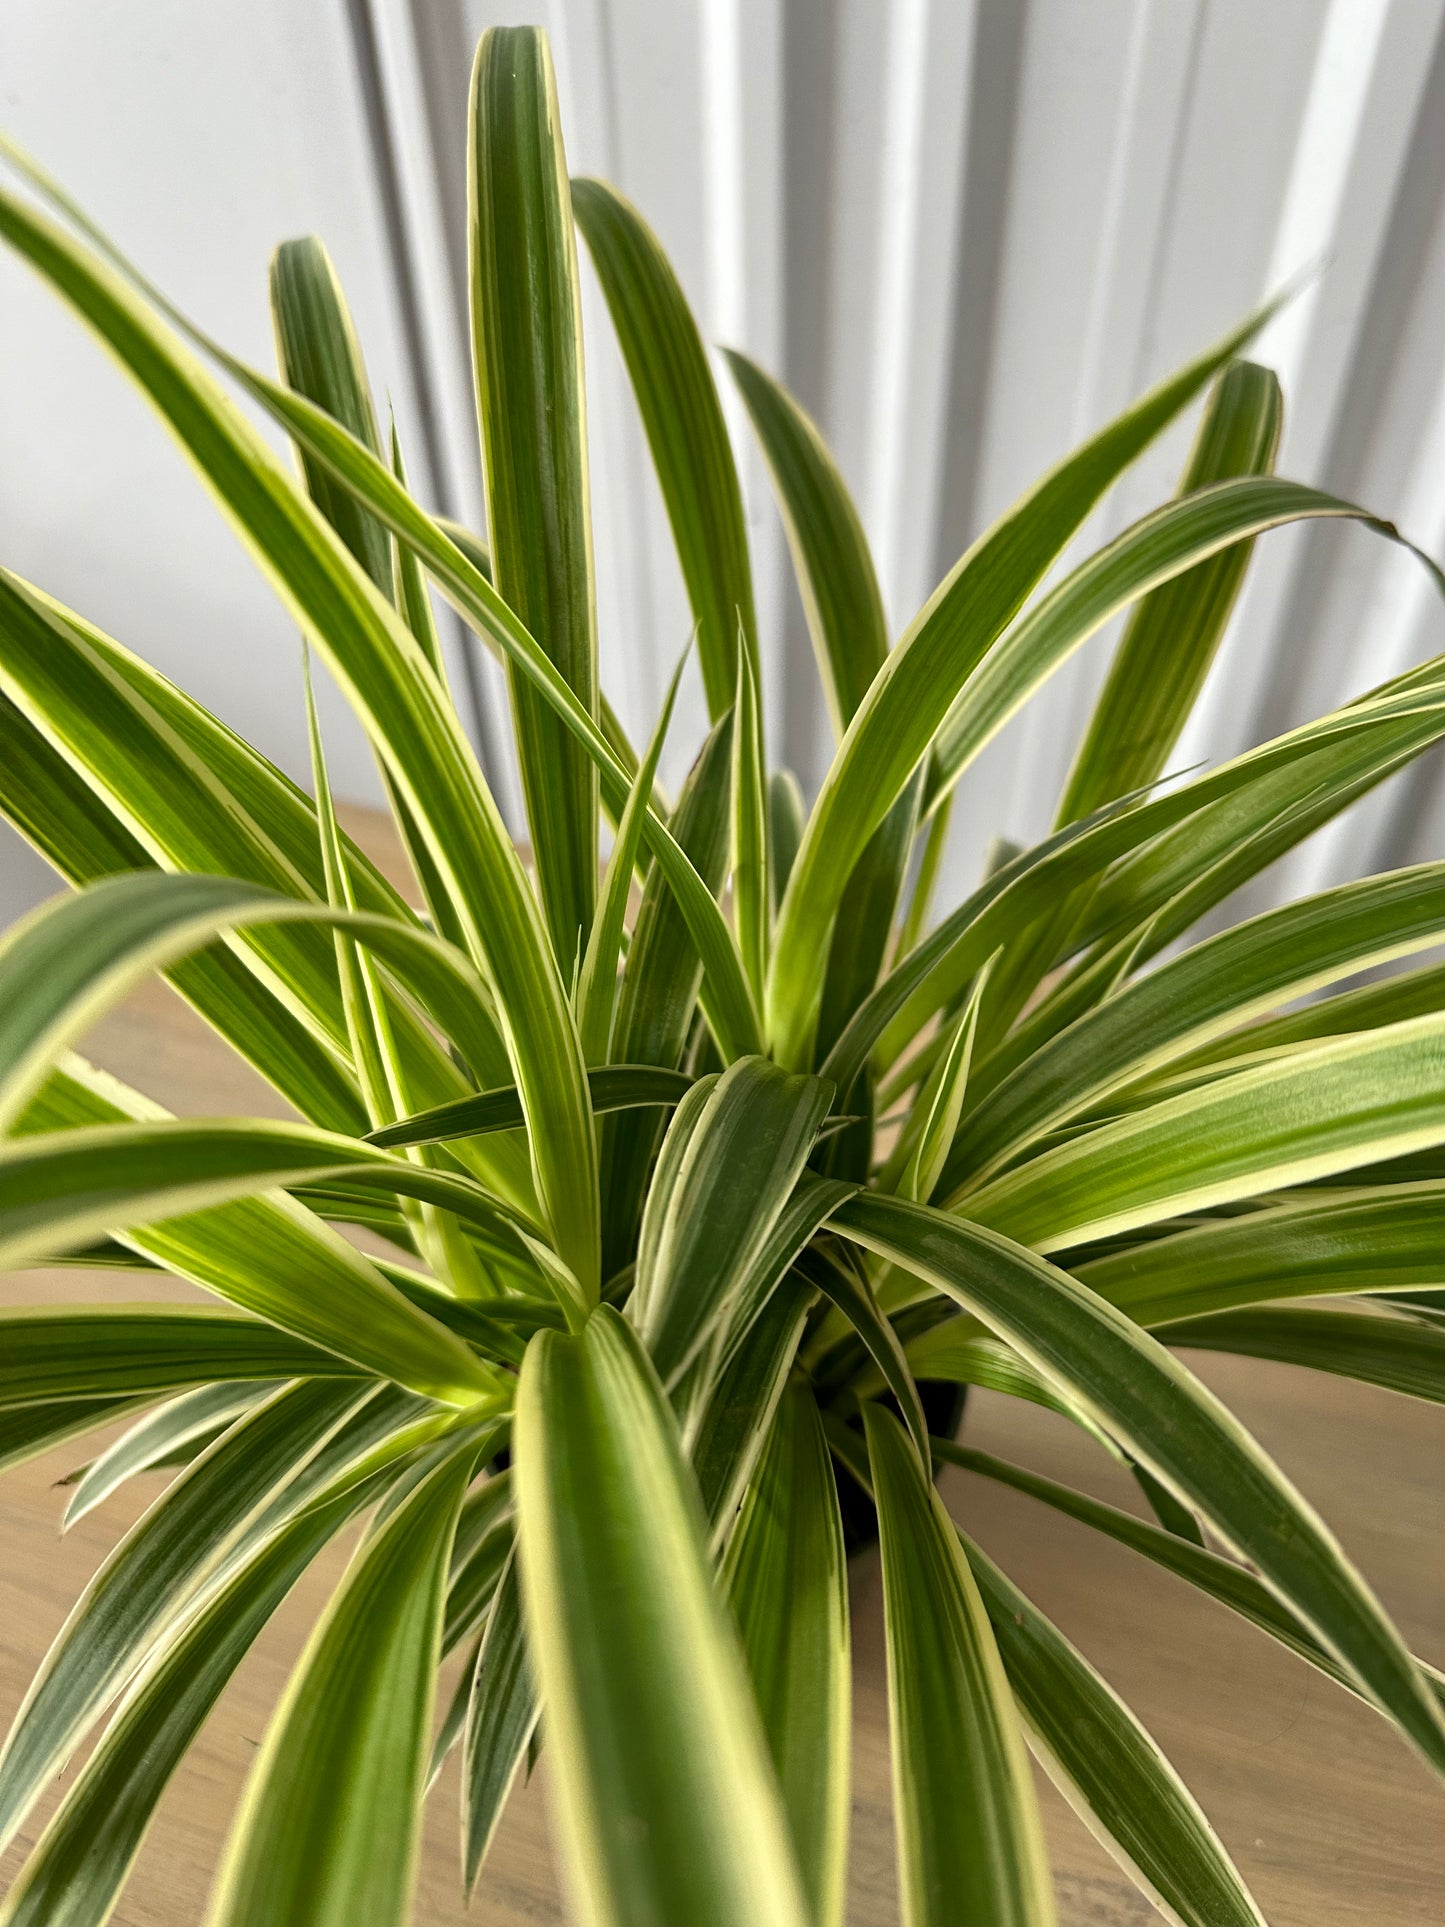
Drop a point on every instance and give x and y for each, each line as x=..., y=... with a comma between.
x=970, y=1845
x=1108, y=1767
x=1140, y=1393
x=328, y=1824
x=75, y=1873
x=831, y=559
x=740, y=1147
x=1221, y=983
x=527, y=357
x=1171, y=638
x=1355, y=1100
x=678, y=401
x=597, y=984
x=389, y=682
x=52, y=1352
x=1385, y=1239
x=502, y=1712
x=1221, y=1579
x=198, y=1415
x=908, y=700
x=786, y=1579
x=1395, y=1353
x=668, y=1805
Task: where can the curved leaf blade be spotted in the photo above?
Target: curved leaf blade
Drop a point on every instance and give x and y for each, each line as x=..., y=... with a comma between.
x=650, y=1716
x=970, y=1844
x=1164, y=1417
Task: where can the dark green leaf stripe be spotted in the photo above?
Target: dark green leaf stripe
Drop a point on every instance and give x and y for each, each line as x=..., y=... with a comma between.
x=501, y=1719
x=744, y=1150
x=1164, y=1417
x=1218, y=1578
x=105, y=1351
x=1157, y=549
x=79, y=1865
x=733, y=1425
x=182, y=1425
x=66, y=1185
x=836, y=578
x=28, y=1430
x=327, y=1828
x=851, y=1292
x=678, y=400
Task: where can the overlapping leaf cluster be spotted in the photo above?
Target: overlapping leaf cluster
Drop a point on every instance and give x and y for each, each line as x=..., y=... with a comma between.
x=694, y=1219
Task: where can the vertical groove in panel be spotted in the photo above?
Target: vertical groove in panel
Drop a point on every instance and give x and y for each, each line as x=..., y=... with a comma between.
x=810, y=129
x=1118, y=314
x=1353, y=115
x=925, y=120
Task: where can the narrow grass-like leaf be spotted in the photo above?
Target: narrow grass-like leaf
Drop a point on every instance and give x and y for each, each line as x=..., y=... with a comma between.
x=1170, y=640
x=787, y=1582
x=386, y=676
x=1232, y=1585
x=1165, y=1418
x=327, y=1828
x=970, y=1845
x=667, y=1802
x=1348, y=1102
x=1109, y=1769
x=752, y=908
x=75, y=1873
x=612, y=1087
x=527, y=358
x=678, y=400
x=1222, y=983
x=919, y=1160
x=597, y=985
x=786, y=815
x=107, y=1351
x=195, y=1415
x=732, y=1425
x=1398, y=1354
x=66, y=1185
x=660, y=985
x=501, y=1718
x=1379, y=1240
x=850, y=1291
x=151, y=1574
x=28, y=1430
x=831, y=560
x=745, y=1150
x=1159, y=548
x=921, y=677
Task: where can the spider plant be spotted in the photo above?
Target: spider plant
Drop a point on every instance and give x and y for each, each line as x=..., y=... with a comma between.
x=693, y=1222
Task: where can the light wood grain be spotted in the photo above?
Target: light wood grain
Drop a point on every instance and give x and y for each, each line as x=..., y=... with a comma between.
x=1330, y=1819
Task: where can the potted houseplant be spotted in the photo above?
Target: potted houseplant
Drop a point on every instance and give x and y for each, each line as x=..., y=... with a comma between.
x=694, y=1220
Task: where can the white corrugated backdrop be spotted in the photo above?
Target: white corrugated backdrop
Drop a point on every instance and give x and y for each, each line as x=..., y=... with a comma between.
x=966, y=232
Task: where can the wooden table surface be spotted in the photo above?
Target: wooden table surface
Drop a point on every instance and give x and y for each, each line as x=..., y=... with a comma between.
x=1333, y=1823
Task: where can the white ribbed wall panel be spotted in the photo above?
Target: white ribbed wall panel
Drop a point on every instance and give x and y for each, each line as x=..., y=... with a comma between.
x=966, y=232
